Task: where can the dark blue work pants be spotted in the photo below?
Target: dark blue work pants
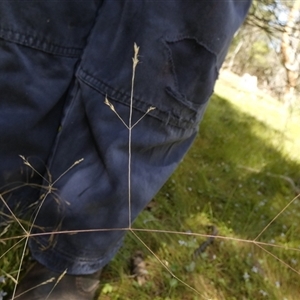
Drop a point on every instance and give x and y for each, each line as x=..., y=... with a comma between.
x=58, y=62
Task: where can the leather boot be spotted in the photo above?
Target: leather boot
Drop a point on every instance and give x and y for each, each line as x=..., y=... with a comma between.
x=41, y=283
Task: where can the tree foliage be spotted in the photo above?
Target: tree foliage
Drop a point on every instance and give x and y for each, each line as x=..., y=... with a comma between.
x=268, y=43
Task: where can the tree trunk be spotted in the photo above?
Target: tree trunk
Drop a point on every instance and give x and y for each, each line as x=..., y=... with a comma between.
x=235, y=52
x=289, y=51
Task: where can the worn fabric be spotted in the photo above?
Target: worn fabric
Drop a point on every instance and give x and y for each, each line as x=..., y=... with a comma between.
x=59, y=61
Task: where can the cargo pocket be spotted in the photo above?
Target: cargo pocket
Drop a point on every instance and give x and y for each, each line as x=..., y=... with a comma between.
x=194, y=70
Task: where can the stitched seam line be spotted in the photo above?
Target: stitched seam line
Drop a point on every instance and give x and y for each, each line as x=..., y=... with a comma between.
x=140, y=105
x=183, y=37
x=39, y=44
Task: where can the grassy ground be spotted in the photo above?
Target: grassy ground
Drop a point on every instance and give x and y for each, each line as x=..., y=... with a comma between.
x=237, y=177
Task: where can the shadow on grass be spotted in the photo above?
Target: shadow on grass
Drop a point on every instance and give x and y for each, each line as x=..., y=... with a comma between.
x=242, y=171
x=232, y=177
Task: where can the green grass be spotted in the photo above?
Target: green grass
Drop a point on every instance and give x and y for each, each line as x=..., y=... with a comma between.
x=230, y=179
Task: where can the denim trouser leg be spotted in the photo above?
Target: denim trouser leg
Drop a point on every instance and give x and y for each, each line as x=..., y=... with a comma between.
x=182, y=46
x=40, y=45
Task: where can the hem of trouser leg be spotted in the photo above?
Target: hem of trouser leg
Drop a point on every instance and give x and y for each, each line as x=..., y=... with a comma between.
x=55, y=261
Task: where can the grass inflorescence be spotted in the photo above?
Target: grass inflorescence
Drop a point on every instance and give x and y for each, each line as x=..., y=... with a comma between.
x=239, y=178
x=238, y=186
